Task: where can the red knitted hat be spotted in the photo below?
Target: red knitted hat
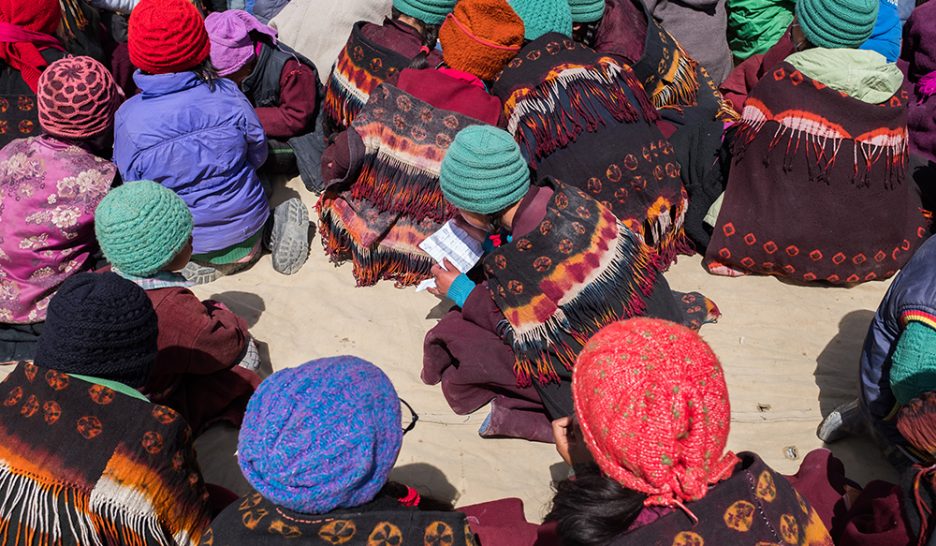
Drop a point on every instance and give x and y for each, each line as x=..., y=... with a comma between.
x=167, y=36
x=77, y=98
x=651, y=399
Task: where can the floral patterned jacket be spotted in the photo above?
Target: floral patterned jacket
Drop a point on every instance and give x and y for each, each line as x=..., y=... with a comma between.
x=48, y=192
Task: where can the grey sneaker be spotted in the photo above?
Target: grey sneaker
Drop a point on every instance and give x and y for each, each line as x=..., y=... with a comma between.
x=200, y=274
x=289, y=238
x=845, y=420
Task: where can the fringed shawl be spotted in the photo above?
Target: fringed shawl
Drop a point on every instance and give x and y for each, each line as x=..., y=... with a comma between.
x=83, y=464
x=818, y=189
x=393, y=201
x=578, y=271
x=583, y=118
x=360, y=68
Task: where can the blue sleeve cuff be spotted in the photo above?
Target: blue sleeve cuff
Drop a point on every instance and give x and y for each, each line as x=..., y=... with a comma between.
x=460, y=290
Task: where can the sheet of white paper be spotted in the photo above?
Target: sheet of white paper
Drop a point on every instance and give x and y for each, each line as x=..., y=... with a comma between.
x=453, y=243
x=426, y=284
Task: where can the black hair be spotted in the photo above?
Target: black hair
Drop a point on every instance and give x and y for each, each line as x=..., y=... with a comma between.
x=207, y=73
x=593, y=509
x=586, y=33
x=397, y=490
x=429, y=36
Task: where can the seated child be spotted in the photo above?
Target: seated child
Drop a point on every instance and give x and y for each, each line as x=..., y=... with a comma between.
x=90, y=459
x=206, y=361
x=282, y=85
x=376, y=53
x=317, y=444
x=652, y=409
x=566, y=266
x=382, y=194
x=583, y=118
x=50, y=187
x=198, y=135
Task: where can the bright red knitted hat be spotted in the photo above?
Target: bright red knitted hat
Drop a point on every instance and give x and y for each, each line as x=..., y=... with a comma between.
x=651, y=399
x=167, y=36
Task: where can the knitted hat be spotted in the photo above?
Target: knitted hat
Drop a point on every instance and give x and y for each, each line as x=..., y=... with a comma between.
x=77, y=98
x=141, y=227
x=586, y=11
x=652, y=402
x=321, y=436
x=913, y=365
x=543, y=16
x=481, y=36
x=431, y=12
x=916, y=422
x=483, y=171
x=232, y=46
x=100, y=325
x=837, y=23
x=167, y=36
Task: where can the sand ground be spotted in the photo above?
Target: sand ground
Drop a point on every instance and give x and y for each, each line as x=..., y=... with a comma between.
x=790, y=354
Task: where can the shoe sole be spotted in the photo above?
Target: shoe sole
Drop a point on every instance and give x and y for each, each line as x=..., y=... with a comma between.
x=290, y=237
x=200, y=274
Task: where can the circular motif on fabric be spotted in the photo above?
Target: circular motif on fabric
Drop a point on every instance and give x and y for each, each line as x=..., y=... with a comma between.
x=152, y=442
x=500, y=261
x=443, y=141
x=577, y=227
x=450, y=121
x=404, y=103
x=377, y=113
x=57, y=380
x=545, y=227
x=740, y=516
x=338, y=531
x=524, y=245
x=750, y=239
x=357, y=53
x=25, y=103
x=630, y=162
x=418, y=133
x=26, y=127
x=501, y=292
x=280, y=527
x=4, y=105
x=583, y=212
x=439, y=533
x=515, y=286
x=594, y=185
x=515, y=62
x=3, y=127
x=789, y=529
x=553, y=47
x=688, y=538
x=534, y=55
x=385, y=534
x=101, y=395
x=809, y=276
x=164, y=414
x=51, y=412
x=566, y=246
x=568, y=44
x=13, y=397
x=89, y=426
x=425, y=115
x=252, y=518
x=561, y=200
x=672, y=170
x=31, y=370
x=613, y=173
x=542, y=264
x=779, y=74
x=852, y=279
x=399, y=122
x=250, y=501
x=658, y=172
x=621, y=195
x=376, y=64
x=639, y=183
x=30, y=406
x=766, y=488
x=178, y=461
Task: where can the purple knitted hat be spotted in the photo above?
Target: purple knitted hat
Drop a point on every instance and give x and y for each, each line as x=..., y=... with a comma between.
x=321, y=436
x=231, y=44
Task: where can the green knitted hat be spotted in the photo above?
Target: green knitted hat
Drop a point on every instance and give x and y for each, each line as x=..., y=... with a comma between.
x=837, y=24
x=913, y=366
x=586, y=11
x=543, y=16
x=141, y=227
x=483, y=171
x=431, y=12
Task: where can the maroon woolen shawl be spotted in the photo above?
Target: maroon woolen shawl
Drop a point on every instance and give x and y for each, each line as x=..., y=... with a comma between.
x=919, y=52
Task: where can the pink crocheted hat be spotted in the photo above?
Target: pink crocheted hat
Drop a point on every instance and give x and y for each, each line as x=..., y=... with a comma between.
x=77, y=98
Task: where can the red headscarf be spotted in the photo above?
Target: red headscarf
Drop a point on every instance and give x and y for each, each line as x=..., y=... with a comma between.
x=25, y=27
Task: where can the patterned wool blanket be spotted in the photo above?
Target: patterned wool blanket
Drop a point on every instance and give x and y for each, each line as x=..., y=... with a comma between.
x=818, y=188
x=361, y=66
x=391, y=200
x=583, y=118
x=83, y=464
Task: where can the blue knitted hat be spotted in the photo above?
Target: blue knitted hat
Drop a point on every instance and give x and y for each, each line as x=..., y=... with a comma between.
x=321, y=436
x=483, y=171
x=837, y=23
x=432, y=12
x=586, y=11
x=543, y=16
x=141, y=226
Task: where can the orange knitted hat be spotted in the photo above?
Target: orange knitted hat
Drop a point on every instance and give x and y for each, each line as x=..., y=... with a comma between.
x=480, y=36
x=651, y=399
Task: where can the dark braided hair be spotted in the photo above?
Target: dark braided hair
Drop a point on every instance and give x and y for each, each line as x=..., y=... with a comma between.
x=429, y=36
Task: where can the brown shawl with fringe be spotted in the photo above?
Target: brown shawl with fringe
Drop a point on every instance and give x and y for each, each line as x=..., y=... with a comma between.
x=391, y=201
x=578, y=271
x=583, y=118
x=83, y=464
x=818, y=189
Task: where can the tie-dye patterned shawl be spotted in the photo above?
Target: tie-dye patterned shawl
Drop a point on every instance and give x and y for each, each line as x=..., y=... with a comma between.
x=83, y=464
x=819, y=189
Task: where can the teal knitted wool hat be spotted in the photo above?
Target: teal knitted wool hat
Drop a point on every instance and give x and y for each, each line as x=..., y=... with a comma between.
x=483, y=171
x=837, y=24
x=432, y=12
x=543, y=16
x=913, y=365
x=586, y=11
x=141, y=227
